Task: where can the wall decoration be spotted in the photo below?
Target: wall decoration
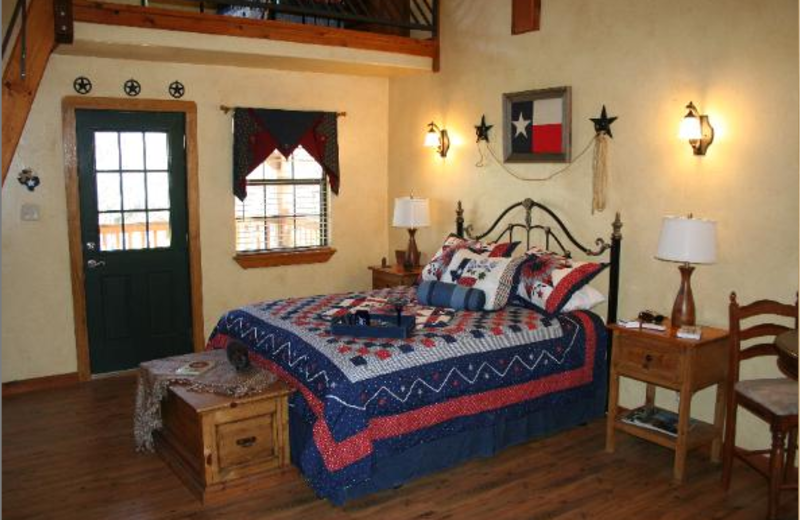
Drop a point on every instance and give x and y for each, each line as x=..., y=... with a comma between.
x=482, y=130
x=82, y=85
x=176, y=89
x=29, y=179
x=536, y=125
x=132, y=88
x=602, y=130
x=600, y=176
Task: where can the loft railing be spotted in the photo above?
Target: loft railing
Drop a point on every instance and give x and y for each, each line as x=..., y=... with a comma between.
x=417, y=18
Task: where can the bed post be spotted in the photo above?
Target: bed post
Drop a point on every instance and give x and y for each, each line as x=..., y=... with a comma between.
x=613, y=284
x=460, y=220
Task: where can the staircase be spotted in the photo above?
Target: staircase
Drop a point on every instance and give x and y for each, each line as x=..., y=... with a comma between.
x=42, y=25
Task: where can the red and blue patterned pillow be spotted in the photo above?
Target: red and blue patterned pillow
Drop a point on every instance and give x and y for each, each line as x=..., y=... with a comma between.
x=546, y=281
x=435, y=269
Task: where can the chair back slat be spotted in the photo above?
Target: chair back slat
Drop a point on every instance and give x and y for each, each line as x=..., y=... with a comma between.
x=762, y=349
x=761, y=330
x=767, y=307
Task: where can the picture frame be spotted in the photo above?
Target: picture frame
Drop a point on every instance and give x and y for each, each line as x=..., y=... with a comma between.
x=537, y=126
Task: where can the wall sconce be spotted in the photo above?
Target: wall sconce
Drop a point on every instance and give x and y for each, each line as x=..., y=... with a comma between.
x=437, y=138
x=696, y=129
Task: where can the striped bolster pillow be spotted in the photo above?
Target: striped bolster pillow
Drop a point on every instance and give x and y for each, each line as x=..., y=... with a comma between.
x=441, y=294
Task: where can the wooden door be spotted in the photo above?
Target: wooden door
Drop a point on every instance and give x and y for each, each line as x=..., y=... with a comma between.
x=132, y=183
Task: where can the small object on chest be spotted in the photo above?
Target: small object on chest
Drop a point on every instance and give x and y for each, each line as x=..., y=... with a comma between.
x=238, y=356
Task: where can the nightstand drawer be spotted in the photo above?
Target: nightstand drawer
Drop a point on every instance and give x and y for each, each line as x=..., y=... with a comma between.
x=642, y=359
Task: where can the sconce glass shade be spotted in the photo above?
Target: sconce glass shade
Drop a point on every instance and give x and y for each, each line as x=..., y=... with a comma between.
x=432, y=139
x=411, y=213
x=690, y=128
x=688, y=240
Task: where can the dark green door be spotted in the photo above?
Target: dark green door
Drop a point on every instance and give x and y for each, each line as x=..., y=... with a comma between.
x=132, y=171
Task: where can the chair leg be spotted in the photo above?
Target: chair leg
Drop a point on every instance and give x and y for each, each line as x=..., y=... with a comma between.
x=730, y=442
x=775, y=472
x=791, y=451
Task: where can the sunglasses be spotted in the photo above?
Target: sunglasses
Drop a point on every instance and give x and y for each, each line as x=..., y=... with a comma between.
x=650, y=317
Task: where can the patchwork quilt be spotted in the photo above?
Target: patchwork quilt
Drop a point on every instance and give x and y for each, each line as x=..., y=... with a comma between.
x=460, y=370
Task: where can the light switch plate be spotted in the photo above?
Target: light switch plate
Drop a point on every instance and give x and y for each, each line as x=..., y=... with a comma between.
x=29, y=212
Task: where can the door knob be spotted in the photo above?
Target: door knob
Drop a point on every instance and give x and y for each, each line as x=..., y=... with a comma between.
x=94, y=264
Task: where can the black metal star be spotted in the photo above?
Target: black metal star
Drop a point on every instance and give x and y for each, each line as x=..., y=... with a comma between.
x=602, y=124
x=132, y=87
x=176, y=89
x=482, y=130
x=82, y=85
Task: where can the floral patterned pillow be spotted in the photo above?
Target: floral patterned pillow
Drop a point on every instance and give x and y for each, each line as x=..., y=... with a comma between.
x=492, y=275
x=546, y=281
x=452, y=244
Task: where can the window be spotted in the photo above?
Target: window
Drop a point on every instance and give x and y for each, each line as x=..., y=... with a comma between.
x=132, y=178
x=286, y=208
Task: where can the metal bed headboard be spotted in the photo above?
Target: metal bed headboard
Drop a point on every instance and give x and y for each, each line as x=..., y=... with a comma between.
x=612, y=246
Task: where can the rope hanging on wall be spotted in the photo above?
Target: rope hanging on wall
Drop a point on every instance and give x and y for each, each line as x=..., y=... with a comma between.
x=600, y=171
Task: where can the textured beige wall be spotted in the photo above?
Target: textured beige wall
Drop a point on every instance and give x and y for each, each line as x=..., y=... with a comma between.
x=737, y=60
x=37, y=320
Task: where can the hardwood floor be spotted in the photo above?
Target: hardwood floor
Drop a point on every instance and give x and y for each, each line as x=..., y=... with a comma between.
x=68, y=453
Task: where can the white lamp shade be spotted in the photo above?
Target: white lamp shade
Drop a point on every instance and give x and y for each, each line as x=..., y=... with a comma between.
x=690, y=128
x=432, y=139
x=691, y=240
x=411, y=213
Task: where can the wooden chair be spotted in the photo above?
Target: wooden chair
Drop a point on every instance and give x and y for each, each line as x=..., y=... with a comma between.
x=773, y=400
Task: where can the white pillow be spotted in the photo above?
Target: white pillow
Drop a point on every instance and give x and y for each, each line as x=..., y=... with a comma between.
x=493, y=276
x=584, y=299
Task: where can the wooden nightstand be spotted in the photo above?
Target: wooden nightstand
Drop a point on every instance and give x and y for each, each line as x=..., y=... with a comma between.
x=393, y=276
x=217, y=445
x=686, y=366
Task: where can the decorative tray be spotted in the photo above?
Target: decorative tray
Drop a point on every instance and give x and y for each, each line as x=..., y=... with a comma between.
x=373, y=326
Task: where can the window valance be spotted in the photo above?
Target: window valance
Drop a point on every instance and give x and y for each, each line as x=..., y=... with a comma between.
x=259, y=132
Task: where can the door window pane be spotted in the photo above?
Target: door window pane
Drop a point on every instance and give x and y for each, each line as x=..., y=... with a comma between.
x=156, y=145
x=157, y=190
x=108, y=195
x=133, y=196
x=132, y=148
x=159, y=232
x=106, y=151
x=135, y=230
x=111, y=238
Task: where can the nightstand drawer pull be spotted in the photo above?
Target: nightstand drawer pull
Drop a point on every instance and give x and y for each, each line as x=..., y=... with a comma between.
x=648, y=359
x=246, y=442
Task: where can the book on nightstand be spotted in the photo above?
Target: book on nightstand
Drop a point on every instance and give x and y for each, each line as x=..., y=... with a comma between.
x=654, y=418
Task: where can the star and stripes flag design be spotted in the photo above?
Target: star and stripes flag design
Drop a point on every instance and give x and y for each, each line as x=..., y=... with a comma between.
x=537, y=126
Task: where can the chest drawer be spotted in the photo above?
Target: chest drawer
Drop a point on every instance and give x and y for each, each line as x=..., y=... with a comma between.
x=247, y=444
x=648, y=361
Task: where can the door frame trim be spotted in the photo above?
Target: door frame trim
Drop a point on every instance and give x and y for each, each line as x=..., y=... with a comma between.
x=69, y=105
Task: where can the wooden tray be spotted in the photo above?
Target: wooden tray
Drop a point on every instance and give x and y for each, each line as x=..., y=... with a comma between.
x=381, y=326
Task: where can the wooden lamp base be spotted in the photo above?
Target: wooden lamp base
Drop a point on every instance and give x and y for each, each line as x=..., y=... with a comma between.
x=412, y=253
x=683, y=312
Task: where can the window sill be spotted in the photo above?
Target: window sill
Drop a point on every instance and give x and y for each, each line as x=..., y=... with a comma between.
x=278, y=258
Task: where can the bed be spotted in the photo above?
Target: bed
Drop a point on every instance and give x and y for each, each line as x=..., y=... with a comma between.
x=372, y=414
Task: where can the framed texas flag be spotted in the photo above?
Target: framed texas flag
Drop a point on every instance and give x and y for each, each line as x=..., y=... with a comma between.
x=537, y=125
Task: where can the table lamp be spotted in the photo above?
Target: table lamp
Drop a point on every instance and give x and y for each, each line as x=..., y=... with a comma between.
x=690, y=241
x=411, y=213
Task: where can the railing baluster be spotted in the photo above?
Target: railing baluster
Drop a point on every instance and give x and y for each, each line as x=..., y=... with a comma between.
x=421, y=13
x=23, y=40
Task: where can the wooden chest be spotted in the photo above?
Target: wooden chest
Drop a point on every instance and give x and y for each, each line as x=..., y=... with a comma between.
x=216, y=444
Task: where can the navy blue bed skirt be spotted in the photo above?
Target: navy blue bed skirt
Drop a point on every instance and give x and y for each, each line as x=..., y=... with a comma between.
x=589, y=403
